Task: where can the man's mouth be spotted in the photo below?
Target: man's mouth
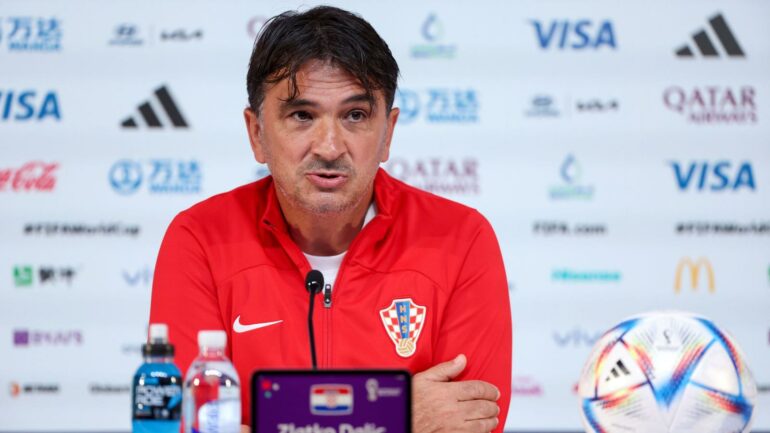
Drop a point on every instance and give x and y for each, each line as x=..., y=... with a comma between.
x=327, y=179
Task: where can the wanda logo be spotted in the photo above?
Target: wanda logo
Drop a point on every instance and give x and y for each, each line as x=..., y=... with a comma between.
x=32, y=176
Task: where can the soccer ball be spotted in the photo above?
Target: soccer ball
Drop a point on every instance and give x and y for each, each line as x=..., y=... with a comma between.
x=666, y=372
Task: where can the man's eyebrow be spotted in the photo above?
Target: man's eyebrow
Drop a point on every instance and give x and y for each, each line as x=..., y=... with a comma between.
x=290, y=104
x=361, y=97
x=297, y=103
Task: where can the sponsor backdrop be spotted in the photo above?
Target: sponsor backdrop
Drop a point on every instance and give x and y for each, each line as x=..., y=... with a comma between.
x=621, y=154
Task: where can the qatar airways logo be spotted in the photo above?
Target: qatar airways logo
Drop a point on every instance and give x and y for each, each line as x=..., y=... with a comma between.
x=713, y=104
x=438, y=175
x=32, y=176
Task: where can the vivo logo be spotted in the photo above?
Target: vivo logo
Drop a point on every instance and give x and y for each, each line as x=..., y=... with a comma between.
x=574, y=35
x=576, y=337
x=713, y=176
x=138, y=277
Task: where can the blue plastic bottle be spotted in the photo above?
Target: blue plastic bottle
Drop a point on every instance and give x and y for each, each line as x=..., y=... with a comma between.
x=157, y=392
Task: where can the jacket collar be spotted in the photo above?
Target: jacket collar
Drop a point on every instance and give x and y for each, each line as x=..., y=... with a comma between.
x=385, y=197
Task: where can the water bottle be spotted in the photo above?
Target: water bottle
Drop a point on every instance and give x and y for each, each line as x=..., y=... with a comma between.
x=212, y=393
x=157, y=391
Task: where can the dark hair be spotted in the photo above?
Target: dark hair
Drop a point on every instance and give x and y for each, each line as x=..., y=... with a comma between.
x=289, y=40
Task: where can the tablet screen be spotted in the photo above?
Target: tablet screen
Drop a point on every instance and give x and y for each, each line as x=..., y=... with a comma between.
x=332, y=401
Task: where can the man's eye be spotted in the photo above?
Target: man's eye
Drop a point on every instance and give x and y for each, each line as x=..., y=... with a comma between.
x=357, y=115
x=302, y=116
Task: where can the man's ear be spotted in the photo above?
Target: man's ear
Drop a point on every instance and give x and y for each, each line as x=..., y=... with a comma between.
x=391, y=120
x=253, y=129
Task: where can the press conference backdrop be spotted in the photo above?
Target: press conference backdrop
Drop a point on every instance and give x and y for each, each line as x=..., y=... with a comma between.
x=621, y=150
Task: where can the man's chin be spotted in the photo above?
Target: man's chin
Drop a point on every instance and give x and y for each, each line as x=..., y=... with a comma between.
x=328, y=207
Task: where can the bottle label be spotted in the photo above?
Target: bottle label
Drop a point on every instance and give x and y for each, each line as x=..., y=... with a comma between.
x=220, y=416
x=157, y=398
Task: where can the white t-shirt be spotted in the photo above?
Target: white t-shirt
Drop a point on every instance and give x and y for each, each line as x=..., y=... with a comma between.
x=330, y=265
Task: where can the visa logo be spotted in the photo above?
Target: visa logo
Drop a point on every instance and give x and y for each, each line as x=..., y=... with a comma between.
x=574, y=35
x=28, y=104
x=714, y=176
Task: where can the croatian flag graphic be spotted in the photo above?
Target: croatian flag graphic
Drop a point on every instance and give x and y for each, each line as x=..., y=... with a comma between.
x=331, y=399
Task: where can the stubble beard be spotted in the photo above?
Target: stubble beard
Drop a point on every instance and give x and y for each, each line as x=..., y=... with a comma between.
x=291, y=189
x=323, y=206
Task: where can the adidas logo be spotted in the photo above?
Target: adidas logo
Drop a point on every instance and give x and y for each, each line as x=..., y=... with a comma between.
x=704, y=43
x=617, y=370
x=148, y=112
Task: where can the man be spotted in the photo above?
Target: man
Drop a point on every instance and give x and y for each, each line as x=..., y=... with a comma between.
x=413, y=281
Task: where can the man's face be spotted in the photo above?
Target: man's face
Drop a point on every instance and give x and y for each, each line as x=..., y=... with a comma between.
x=323, y=147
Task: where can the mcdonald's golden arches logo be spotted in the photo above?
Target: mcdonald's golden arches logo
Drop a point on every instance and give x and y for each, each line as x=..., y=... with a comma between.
x=694, y=268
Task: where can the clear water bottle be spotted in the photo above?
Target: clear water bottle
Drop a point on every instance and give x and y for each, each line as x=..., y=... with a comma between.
x=157, y=391
x=212, y=393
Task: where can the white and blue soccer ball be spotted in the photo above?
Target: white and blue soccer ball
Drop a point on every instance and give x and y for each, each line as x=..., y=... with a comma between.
x=666, y=372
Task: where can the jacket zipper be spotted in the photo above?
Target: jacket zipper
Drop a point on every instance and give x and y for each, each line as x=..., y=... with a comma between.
x=327, y=298
x=327, y=301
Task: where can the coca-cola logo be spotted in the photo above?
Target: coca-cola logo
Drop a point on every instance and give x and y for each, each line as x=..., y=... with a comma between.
x=32, y=176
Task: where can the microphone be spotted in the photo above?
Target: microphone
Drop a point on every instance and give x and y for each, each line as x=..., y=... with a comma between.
x=314, y=281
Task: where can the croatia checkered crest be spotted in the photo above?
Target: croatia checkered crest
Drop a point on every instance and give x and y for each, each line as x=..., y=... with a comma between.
x=403, y=321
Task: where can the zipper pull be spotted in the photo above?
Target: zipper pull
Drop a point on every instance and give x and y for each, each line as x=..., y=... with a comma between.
x=328, y=296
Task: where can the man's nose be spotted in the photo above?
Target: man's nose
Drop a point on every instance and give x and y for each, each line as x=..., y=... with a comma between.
x=328, y=143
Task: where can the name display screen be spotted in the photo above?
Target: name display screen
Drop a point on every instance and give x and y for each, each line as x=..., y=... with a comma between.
x=335, y=401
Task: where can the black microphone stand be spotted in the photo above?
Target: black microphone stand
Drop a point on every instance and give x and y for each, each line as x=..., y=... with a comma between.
x=314, y=281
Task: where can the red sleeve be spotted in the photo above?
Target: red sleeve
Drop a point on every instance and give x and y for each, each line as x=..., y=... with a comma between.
x=183, y=292
x=477, y=319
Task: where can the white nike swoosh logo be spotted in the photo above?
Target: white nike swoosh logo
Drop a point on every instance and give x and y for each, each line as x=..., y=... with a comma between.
x=240, y=328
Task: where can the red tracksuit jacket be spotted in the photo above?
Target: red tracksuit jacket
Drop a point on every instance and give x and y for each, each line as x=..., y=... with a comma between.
x=421, y=283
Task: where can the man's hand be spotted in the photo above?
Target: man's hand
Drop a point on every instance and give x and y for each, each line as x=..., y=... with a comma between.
x=440, y=405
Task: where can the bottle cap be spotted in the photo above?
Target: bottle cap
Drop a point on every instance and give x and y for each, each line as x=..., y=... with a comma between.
x=158, y=333
x=158, y=349
x=212, y=339
x=157, y=343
